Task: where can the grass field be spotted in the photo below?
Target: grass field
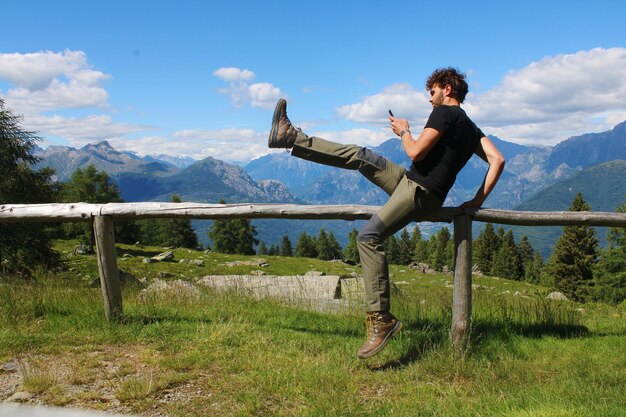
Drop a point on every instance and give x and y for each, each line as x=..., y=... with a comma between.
x=227, y=354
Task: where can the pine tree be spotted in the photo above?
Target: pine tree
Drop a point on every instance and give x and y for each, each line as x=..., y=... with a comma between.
x=486, y=246
x=392, y=250
x=506, y=263
x=285, y=247
x=261, y=249
x=335, y=247
x=533, y=268
x=351, y=252
x=90, y=186
x=306, y=246
x=439, y=256
x=610, y=273
x=233, y=236
x=405, y=248
x=177, y=233
x=245, y=236
x=327, y=246
x=273, y=250
x=23, y=246
x=574, y=256
x=525, y=252
x=420, y=246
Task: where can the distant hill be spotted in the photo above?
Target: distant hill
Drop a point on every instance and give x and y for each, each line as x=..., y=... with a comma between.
x=603, y=187
x=591, y=148
x=65, y=160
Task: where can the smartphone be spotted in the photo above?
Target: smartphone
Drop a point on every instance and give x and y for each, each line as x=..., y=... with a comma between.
x=391, y=114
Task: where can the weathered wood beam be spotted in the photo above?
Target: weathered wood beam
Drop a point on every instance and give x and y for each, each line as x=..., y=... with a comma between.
x=107, y=267
x=462, y=291
x=550, y=218
x=84, y=212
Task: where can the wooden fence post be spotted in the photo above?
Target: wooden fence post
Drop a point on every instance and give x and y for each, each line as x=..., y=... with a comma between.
x=107, y=266
x=462, y=293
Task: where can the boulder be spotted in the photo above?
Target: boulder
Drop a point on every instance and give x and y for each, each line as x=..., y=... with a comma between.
x=422, y=267
x=164, y=257
x=197, y=262
x=557, y=295
x=19, y=397
x=82, y=250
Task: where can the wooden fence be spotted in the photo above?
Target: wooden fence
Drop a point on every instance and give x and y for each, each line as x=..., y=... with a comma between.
x=103, y=215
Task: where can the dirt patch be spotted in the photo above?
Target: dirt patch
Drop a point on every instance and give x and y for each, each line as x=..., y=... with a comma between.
x=118, y=379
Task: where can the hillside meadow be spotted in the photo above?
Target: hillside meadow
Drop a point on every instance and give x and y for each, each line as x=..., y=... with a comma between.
x=229, y=354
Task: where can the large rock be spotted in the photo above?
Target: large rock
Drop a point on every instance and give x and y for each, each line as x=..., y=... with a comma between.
x=197, y=262
x=164, y=257
x=557, y=295
x=286, y=287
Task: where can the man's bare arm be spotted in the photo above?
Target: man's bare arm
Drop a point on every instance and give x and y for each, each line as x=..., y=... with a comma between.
x=415, y=149
x=488, y=152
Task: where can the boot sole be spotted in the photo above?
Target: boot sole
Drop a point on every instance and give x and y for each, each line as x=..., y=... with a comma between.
x=272, y=143
x=380, y=347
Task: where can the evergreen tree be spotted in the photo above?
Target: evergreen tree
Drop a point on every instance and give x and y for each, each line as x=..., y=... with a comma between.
x=506, y=263
x=335, y=247
x=439, y=256
x=285, y=247
x=392, y=250
x=533, y=268
x=306, y=246
x=610, y=273
x=525, y=254
x=327, y=246
x=89, y=186
x=420, y=246
x=261, y=249
x=405, y=248
x=245, y=236
x=416, y=236
x=273, y=250
x=177, y=233
x=574, y=256
x=150, y=232
x=23, y=246
x=351, y=252
x=233, y=236
x=485, y=247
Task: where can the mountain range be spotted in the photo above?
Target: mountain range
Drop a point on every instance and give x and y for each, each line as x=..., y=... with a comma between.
x=535, y=178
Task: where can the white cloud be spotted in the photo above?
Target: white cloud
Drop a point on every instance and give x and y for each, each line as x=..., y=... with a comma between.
x=43, y=81
x=241, y=92
x=226, y=144
x=556, y=97
x=402, y=99
x=80, y=131
x=543, y=103
x=264, y=95
x=234, y=74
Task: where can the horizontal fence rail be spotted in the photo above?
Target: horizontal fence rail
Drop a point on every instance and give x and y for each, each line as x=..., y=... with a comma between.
x=102, y=216
x=77, y=212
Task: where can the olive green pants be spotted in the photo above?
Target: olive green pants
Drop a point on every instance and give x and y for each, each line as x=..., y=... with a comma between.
x=408, y=202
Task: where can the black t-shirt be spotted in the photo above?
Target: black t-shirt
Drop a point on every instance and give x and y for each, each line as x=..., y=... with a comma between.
x=459, y=138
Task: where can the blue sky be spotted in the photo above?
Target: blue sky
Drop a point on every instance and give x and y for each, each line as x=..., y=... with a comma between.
x=200, y=78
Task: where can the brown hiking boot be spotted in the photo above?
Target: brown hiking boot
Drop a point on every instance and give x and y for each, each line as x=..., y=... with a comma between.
x=283, y=133
x=381, y=326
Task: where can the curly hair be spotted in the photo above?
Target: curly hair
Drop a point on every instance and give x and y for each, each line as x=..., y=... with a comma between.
x=451, y=76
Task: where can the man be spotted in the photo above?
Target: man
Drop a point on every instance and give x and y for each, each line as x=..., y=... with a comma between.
x=444, y=146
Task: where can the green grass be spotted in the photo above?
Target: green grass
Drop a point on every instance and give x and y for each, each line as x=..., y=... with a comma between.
x=225, y=354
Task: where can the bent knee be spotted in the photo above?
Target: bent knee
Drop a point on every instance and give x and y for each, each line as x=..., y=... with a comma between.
x=372, y=231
